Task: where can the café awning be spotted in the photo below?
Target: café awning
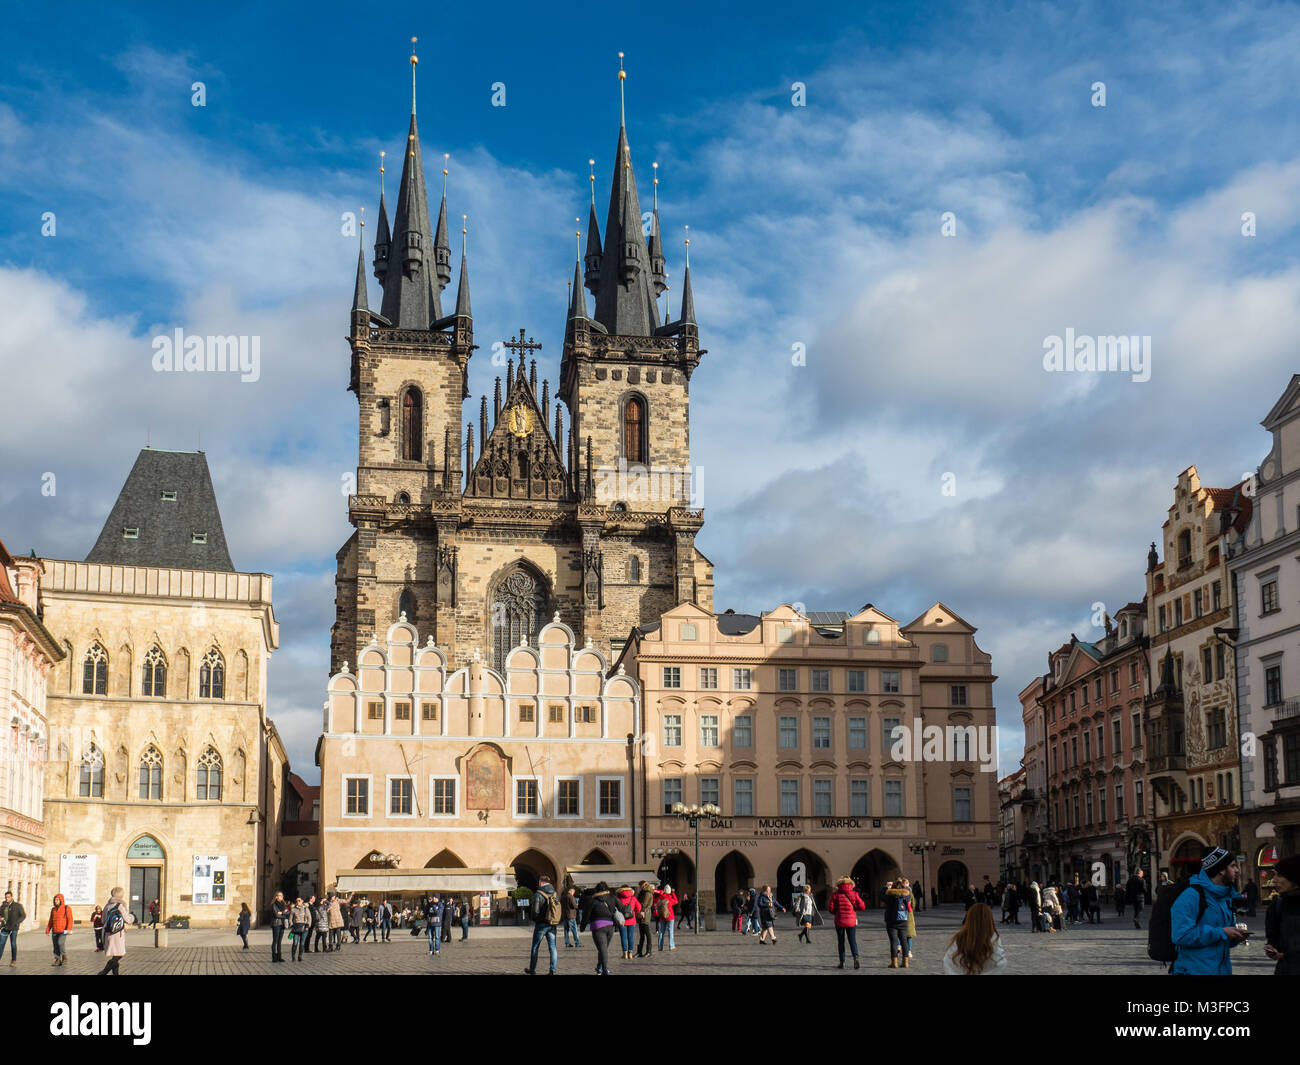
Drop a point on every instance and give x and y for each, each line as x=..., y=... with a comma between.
x=585, y=876
x=453, y=880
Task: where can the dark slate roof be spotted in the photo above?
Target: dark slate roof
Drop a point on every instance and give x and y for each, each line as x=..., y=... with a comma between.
x=737, y=624
x=166, y=527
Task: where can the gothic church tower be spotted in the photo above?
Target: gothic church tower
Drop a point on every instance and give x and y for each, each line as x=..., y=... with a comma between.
x=479, y=546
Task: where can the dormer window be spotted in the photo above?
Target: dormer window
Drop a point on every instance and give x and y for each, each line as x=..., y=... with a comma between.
x=131, y=532
x=169, y=497
x=199, y=538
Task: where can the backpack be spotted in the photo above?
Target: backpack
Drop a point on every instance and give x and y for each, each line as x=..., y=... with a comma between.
x=1160, y=929
x=663, y=911
x=552, y=905
x=114, y=922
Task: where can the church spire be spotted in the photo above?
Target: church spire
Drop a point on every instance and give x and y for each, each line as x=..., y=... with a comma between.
x=688, y=299
x=624, y=299
x=656, y=249
x=577, y=299
x=359, y=300
x=408, y=289
x=441, y=245
x=383, y=237
x=462, y=289
x=593, y=238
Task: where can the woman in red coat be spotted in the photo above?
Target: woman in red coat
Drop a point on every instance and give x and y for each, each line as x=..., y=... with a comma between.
x=665, y=915
x=844, y=904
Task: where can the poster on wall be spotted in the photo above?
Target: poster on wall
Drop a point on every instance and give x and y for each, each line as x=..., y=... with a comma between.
x=77, y=879
x=485, y=908
x=210, y=873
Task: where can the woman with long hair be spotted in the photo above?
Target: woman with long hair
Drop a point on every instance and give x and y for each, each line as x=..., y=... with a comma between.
x=767, y=907
x=976, y=949
x=97, y=923
x=243, y=921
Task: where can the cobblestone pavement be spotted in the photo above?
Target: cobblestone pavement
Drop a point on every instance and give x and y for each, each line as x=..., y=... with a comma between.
x=1112, y=948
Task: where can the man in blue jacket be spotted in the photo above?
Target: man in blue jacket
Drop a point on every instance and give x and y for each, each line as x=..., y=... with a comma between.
x=1203, y=942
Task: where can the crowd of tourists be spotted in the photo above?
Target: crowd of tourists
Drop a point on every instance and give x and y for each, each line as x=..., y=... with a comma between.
x=327, y=924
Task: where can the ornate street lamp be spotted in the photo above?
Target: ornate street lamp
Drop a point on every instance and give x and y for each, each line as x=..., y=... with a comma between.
x=691, y=815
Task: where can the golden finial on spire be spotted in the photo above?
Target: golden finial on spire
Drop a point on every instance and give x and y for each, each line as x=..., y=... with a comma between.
x=381, y=174
x=656, y=184
x=688, y=245
x=622, y=77
x=577, y=237
x=464, y=234
x=446, y=156
x=362, y=237
x=591, y=163
x=415, y=60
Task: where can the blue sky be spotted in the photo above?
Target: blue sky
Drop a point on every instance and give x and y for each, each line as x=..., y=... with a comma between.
x=816, y=225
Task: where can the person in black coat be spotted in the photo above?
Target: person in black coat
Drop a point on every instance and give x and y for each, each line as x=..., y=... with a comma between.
x=1282, y=919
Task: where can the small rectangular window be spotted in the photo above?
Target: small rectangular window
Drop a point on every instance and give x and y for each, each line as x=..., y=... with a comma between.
x=742, y=731
x=708, y=730
x=399, y=800
x=821, y=732
x=961, y=804
x=788, y=734
x=557, y=713
x=711, y=790
x=429, y=711
x=672, y=787
x=857, y=733
x=958, y=693
x=587, y=714
x=889, y=681
x=672, y=730
x=741, y=679
x=358, y=797
x=131, y=532
x=402, y=711
x=708, y=678
x=821, y=680
x=199, y=538
x=526, y=798
x=375, y=710
x=611, y=798
x=1216, y=595
x=444, y=796
x=789, y=798
x=890, y=725
x=743, y=793
x=525, y=712
x=893, y=798
x=821, y=798
x=688, y=631
x=1268, y=596
x=566, y=798
x=672, y=676
x=857, y=679
x=169, y=497
x=859, y=798
x=784, y=633
x=787, y=680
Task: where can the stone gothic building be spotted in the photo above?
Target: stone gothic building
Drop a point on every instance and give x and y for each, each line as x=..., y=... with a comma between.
x=479, y=535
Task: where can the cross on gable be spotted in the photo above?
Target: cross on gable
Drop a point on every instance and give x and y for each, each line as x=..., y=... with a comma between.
x=521, y=345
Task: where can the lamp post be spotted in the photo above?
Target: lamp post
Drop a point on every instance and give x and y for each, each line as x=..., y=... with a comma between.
x=921, y=846
x=691, y=815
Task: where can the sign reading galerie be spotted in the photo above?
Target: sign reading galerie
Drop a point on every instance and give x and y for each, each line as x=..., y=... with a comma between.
x=77, y=879
x=210, y=871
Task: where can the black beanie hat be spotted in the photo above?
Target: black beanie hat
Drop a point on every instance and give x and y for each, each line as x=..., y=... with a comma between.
x=1214, y=861
x=1289, y=867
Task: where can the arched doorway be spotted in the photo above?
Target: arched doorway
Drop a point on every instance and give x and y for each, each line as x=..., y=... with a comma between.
x=954, y=879
x=302, y=880
x=596, y=856
x=147, y=862
x=733, y=873
x=445, y=859
x=871, y=873
x=804, y=867
x=679, y=871
x=530, y=867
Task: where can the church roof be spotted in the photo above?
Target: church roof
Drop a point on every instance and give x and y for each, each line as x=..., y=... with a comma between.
x=166, y=515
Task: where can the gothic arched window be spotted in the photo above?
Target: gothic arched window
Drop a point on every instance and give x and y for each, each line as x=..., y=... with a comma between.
x=634, y=428
x=518, y=611
x=151, y=773
x=412, y=424
x=634, y=570
x=212, y=676
x=406, y=605
x=92, y=774
x=154, y=675
x=208, y=776
x=94, y=677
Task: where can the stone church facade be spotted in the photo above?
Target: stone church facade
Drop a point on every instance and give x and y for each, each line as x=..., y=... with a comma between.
x=577, y=503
